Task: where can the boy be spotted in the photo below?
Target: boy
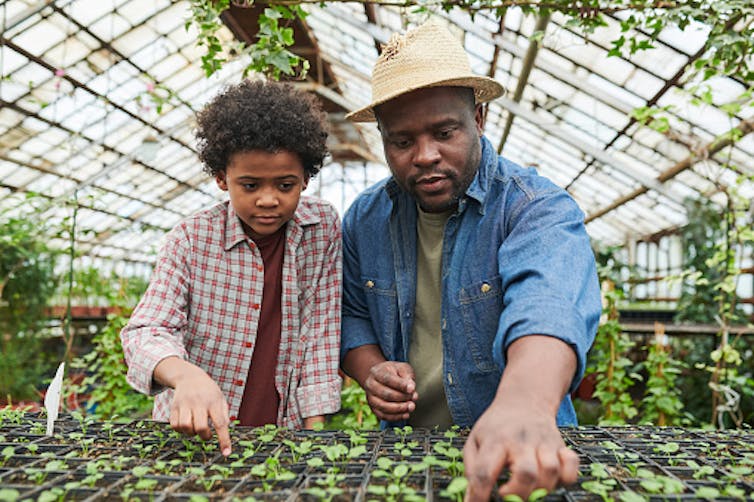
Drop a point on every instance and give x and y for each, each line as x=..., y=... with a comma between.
x=241, y=320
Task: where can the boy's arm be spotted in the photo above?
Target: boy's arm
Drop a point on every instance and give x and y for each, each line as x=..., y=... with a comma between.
x=319, y=389
x=155, y=329
x=154, y=348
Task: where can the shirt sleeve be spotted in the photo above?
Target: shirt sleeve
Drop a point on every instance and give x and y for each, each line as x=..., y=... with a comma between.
x=319, y=390
x=549, y=276
x=157, y=324
x=356, y=326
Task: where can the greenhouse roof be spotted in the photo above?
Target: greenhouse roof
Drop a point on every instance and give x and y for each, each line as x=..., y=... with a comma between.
x=99, y=97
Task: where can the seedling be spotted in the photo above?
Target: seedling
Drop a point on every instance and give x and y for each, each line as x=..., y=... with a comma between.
x=456, y=489
x=6, y=454
x=11, y=415
x=536, y=495
x=327, y=488
x=83, y=420
x=602, y=485
x=142, y=483
x=57, y=493
x=81, y=439
x=167, y=467
x=9, y=495
x=396, y=475
x=452, y=458
x=298, y=450
x=271, y=470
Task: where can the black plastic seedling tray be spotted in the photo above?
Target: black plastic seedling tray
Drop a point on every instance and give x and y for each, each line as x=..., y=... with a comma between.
x=147, y=461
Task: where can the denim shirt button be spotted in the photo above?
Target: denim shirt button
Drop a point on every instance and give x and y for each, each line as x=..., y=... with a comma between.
x=485, y=287
x=450, y=378
x=370, y=284
x=444, y=323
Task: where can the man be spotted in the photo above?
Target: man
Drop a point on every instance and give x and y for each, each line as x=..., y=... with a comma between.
x=470, y=289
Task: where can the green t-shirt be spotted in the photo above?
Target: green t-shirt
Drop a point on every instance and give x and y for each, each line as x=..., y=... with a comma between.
x=425, y=349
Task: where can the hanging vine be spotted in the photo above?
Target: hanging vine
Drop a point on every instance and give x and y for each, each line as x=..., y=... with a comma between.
x=727, y=50
x=613, y=367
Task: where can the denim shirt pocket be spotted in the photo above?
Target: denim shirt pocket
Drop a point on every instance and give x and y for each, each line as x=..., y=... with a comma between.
x=481, y=304
x=381, y=298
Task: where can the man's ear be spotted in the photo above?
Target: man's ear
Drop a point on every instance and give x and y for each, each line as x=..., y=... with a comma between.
x=221, y=181
x=479, y=118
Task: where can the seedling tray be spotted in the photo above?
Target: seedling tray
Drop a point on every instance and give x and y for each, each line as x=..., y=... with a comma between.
x=147, y=461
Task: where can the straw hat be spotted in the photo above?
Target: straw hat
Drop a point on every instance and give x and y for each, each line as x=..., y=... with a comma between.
x=427, y=56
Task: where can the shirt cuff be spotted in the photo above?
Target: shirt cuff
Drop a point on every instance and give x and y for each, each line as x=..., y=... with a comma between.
x=319, y=399
x=558, y=320
x=141, y=369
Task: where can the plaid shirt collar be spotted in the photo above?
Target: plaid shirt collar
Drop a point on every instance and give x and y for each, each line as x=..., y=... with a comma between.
x=234, y=232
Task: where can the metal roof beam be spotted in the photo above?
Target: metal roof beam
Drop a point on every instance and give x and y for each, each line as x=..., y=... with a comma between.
x=578, y=143
x=746, y=127
x=523, y=78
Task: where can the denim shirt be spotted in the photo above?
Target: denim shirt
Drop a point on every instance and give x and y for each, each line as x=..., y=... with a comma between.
x=516, y=261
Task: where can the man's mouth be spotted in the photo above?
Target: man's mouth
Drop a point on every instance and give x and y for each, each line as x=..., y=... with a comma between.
x=432, y=183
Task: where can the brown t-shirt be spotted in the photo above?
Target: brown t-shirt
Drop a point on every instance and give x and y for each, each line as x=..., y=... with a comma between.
x=260, y=402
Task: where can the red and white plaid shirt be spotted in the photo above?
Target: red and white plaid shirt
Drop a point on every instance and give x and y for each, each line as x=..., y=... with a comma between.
x=203, y=302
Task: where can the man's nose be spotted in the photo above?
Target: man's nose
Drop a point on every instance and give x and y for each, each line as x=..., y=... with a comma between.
x=427, y=153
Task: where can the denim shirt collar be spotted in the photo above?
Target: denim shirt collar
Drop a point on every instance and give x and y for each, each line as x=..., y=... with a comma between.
x=477, y=190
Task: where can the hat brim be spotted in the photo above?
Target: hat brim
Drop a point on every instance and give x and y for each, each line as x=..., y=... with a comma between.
x=485, y=89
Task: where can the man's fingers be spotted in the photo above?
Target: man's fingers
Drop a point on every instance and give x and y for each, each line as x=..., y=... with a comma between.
x=523, y=471
x=569, y=466
x=396, y=376
x=391, y=411
x=385, y=393
x=406, y=372
x=482, y=463
x=549, y=468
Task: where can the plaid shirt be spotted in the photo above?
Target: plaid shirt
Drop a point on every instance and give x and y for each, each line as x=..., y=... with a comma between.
x=203, y=302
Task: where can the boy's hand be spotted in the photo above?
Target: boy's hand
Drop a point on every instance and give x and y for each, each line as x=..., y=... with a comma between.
x=196, y=400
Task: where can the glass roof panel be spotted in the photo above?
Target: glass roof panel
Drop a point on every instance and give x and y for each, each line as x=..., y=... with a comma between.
x=92, y=128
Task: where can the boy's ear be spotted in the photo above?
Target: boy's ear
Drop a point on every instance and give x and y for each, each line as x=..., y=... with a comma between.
x=221, y=181
x=306, y=181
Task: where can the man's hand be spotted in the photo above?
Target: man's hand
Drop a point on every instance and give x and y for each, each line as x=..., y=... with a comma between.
x=196, y=400
x=391, y=390
x=390, y=386
x=518, y=431
x=524, y=440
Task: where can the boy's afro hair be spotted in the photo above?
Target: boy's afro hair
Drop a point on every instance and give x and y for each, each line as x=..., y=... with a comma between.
x=261, y=115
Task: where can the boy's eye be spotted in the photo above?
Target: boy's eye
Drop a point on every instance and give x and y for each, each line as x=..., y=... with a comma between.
x=286, y=186
x=249, y=186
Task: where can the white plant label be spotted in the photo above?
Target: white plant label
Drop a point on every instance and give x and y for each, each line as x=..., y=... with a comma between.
x=52, y=398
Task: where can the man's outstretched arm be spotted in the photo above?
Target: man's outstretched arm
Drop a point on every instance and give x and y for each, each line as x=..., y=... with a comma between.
x=519, y=429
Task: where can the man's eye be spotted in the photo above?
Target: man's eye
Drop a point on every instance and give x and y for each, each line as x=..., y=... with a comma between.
x=445, y=133
x=401, y=143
